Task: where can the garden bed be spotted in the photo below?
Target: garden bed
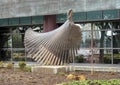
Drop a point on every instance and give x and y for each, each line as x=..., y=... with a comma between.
x=20, y=77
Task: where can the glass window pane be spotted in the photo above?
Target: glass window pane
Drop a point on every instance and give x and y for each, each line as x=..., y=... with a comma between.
x=3, y=22
x=14, y=21
x=94, y=15
x=116, y=38
x=83, y=56
x=79, y=16
x=103, y=26
x=86, y=39
x=110, y=14
x=61, y=18
x=86, y=27
x=5, y=41
x=25, y=20
x=102, y=39
x=116, y=56
x=17, y=39
x=105, y=56
x=37, y=20
x=5, y=54
x=96, y=38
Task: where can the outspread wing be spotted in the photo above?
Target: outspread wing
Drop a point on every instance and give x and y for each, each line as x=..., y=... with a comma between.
x=56, y=47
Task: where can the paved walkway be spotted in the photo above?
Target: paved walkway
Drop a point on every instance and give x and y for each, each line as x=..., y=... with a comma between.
x=84, y=66
x=96, y=67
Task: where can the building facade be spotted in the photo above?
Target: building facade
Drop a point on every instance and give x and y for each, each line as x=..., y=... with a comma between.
x=100, y=20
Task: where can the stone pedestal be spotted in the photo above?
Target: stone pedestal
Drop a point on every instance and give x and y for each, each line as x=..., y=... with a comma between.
x=50, y=69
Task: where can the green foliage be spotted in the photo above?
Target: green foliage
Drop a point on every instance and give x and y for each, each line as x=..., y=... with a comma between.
x=18, y=57
x=94, y=82
x=9, y=65
x=1, y=64
x=22, y=65
x=107, y=59
x=27, y=68
x=116, y=58
x=17, y=39
x=79, y=59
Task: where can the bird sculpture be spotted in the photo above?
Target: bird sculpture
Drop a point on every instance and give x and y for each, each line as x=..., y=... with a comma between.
x=56, y=47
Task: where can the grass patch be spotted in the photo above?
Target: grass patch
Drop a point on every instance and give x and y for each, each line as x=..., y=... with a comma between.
x=93, y=82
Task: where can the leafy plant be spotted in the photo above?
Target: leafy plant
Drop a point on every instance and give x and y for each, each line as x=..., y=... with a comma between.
x=27, y=68
x=79, y=59
x=107, y=58
x=22, y=65
x=18, y=57
x=1, y=64
x=94, y=82
x=10, y=65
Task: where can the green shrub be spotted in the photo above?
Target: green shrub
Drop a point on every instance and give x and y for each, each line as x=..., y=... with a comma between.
x=94, y=82
x=117, y=56
x=1, y=64
x=27, y=68
x=18, y=57
x=22, y=65
x=9, y=65
x=79, y=59
x=107, y=59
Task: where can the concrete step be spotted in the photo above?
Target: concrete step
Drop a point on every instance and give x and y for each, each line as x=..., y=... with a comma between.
x=50, y=69
x=57, y=69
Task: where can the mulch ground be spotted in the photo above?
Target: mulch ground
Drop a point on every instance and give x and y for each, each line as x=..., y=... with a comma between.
x=18, y=77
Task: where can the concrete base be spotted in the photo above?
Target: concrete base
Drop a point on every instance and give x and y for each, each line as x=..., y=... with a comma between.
x=50, y=69
x=102, y=69
x=79, y=67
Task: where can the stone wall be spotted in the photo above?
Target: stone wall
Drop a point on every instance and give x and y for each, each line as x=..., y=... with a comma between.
x=20, y=8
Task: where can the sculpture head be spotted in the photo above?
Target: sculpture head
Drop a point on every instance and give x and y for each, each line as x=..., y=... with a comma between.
x=69, y=14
